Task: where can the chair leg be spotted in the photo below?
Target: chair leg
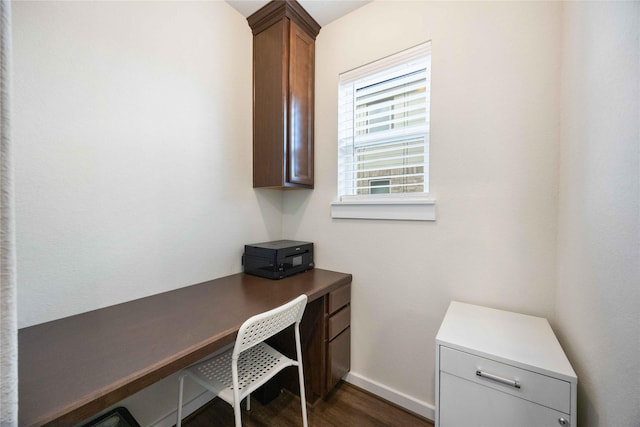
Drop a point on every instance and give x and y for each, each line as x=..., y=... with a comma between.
x=248, y=402
x=179, y=420
x=237, y=414
x=303, y=398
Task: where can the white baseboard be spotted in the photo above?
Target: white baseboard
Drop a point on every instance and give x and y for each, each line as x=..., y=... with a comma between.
x=188, y=408
x=405, y=401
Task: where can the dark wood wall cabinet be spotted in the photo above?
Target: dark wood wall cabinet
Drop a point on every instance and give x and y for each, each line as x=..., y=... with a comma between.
x=283, y=95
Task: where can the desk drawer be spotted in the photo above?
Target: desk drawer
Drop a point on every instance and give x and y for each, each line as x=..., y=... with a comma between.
x=339, y=322
x=339, y=298
x=544, y=390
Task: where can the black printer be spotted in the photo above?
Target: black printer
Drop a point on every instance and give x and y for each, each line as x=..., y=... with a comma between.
x=277, y=259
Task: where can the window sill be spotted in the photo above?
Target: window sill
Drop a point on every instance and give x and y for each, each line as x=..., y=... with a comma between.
x=422, y=209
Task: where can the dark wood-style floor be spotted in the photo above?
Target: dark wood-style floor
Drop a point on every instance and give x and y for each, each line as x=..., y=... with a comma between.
x=347, y=405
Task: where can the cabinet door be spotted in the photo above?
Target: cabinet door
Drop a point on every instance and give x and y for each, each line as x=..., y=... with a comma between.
x=339, y=358
x=301, y=85
x=269, y=95
x=464, y=403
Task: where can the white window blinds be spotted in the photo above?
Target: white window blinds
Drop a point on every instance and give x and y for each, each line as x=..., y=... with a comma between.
x=383, y=126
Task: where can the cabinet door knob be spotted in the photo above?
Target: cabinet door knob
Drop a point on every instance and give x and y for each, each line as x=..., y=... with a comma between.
x=563, y=422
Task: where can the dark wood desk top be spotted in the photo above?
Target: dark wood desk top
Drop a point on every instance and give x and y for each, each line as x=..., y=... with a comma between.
x=72, y=368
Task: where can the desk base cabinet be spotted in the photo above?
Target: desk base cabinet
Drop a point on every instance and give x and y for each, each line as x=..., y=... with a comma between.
x=326, y=344
x=338, y=343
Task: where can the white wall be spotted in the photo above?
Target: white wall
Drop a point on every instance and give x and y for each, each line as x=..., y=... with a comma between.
x=132, y=130
x=494, y=153
x=598, y=292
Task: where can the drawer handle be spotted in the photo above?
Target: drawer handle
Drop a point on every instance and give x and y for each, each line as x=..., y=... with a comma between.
x=512, y=383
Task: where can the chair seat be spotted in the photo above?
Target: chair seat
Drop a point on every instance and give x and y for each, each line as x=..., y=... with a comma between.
x=255, y=367
x=251, y=362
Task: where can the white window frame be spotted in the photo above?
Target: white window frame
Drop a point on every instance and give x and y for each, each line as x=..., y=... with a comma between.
x=393, y=206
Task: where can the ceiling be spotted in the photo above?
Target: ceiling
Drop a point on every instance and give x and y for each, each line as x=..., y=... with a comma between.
x=323, y=11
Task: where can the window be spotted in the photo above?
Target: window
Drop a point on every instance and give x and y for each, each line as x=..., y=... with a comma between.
x=383, y=135
x=380, y=186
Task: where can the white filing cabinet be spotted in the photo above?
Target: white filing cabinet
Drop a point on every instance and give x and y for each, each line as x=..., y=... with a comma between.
x=498, y=368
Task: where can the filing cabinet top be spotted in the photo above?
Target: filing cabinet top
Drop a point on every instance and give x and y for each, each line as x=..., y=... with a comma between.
x=517, y=339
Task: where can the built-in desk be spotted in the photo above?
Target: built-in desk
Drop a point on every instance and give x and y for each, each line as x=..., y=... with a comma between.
x=72, y=368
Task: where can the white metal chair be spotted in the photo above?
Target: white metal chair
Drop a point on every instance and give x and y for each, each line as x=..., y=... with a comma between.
x=236, y=373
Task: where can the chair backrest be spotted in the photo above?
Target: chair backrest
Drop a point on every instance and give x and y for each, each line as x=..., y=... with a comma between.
x=265, y=325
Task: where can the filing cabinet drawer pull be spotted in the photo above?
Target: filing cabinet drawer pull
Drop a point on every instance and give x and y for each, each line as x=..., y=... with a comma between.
x=512, y=383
